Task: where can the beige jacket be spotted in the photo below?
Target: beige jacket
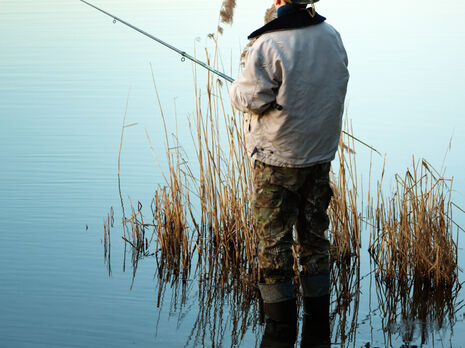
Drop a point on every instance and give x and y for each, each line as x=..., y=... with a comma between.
x=305, y=71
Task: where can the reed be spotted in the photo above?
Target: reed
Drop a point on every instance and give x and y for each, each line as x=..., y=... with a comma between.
x=413, y=234
x=169, y=209
x=345, y=221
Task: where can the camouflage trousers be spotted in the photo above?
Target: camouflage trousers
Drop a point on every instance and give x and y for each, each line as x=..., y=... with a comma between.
x=288, y=200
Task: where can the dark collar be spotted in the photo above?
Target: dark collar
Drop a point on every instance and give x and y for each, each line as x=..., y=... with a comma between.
x=291, y=20
x=289, y=8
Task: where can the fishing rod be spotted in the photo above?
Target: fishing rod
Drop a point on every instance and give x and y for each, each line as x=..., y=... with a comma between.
x=182, y=53
x=185, y=55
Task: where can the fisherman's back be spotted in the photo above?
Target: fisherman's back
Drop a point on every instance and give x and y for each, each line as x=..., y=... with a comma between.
x=304, y=70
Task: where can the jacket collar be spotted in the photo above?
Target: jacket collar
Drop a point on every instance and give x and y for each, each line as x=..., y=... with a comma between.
x=289, y=20
x=288, y=8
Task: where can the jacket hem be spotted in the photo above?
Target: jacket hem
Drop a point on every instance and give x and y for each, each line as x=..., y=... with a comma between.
x=289, y=164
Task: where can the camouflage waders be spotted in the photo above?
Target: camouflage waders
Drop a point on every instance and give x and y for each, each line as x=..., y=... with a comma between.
x=287, y=198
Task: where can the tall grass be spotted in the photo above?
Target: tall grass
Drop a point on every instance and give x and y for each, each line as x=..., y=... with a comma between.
x=343, y=212
x=413, y=234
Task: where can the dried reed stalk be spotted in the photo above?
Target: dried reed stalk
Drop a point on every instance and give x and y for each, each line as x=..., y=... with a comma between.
x=343, y=211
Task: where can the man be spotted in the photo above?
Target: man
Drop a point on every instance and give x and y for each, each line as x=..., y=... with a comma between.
x=292, y=90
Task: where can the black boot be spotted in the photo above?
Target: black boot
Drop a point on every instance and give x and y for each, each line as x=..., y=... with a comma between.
x=315, y=329
x=281, y=325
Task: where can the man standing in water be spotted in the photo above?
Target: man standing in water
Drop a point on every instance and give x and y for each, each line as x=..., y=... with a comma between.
x=292, y=90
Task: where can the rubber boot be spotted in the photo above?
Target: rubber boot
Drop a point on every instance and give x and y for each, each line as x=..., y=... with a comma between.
x=315, y=328
x=281, y=325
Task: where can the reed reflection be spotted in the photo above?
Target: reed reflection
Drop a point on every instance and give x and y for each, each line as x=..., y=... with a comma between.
x=226, y=312
x=108, y=224
x=220, y=313
x=346, y=294
x=207, y=272
x=316, y=330
x=411, y=309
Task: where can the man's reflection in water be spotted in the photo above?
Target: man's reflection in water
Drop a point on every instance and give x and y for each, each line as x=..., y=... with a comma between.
x=278, y=335
x=281, y=324
x=315, y=326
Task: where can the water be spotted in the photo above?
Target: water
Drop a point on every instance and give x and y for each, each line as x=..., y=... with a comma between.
x=65, y=74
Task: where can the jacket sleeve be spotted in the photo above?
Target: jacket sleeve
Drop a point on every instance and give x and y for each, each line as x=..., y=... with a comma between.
x=256, y=89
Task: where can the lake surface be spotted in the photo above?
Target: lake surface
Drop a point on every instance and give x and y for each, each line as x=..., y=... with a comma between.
x=65, y=75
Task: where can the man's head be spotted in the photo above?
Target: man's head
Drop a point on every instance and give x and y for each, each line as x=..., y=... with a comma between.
x=279, y=3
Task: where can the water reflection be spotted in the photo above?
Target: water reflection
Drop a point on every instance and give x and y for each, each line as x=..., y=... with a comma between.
x=409, y=312
x=316, y=323
x=107, y=226
x=279, y=335
x=220, y=313
x=345, y=277
x=416, y=308
x=223, y=311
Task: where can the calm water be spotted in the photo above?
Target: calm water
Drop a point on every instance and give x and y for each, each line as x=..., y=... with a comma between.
x=65, y=74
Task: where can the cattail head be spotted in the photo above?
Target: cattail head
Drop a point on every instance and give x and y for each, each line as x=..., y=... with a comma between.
x=270, y=14
x=227, y=11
